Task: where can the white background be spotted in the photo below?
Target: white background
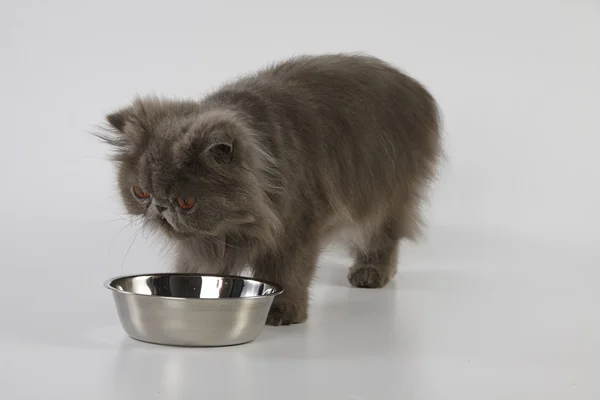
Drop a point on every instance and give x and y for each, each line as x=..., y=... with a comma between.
x=500, y=301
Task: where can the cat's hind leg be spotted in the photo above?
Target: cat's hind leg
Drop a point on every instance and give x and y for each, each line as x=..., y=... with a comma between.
x=375, y=264
x=375, y=259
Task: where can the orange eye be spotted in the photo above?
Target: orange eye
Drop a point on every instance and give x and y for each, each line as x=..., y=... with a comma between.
x=186, y=202
x=139, y=192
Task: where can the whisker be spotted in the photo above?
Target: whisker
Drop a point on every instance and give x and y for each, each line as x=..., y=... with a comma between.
x=128, y=225
x=131, y=244
x=108, y=221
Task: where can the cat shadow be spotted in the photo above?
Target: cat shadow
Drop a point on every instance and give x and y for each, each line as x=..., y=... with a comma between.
x=336, y=331
x=348, y=322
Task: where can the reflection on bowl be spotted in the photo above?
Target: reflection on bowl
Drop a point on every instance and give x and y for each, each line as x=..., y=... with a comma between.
x=192, y=309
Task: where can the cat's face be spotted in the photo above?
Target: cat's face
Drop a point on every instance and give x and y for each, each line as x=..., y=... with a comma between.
x=186, y=172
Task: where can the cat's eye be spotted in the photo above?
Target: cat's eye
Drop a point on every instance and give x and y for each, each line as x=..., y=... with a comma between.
x=139, y=193
x=222, y=153
x=186, y=202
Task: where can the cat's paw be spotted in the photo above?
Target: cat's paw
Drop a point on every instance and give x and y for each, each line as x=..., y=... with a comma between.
x=285, y=313
x=367, y=276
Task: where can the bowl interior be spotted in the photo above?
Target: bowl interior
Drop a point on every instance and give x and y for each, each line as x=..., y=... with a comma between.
x=194, y=286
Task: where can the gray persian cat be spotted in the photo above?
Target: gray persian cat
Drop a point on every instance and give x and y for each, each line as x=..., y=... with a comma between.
x=264, y=171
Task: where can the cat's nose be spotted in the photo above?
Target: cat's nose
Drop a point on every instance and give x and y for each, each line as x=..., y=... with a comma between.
x=160, y=209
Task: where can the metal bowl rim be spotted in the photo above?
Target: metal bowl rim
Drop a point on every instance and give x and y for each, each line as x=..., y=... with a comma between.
x=278, y=288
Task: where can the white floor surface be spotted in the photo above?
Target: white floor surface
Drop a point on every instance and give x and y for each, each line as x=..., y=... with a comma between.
x=499, y=301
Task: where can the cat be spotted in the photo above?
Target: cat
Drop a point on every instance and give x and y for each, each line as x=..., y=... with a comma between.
x=266, y=170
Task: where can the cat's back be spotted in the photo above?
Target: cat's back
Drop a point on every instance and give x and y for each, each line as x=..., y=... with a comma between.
x=344, y=103
x=343, y=75
x=334, y=82
x=328, y=68
x=347, y=84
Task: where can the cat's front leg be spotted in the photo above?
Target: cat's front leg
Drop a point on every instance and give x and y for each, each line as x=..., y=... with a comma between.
x=293, y=269
x=191, y=260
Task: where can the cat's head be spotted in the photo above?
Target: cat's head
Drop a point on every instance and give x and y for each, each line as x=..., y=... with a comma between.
x=191, y=172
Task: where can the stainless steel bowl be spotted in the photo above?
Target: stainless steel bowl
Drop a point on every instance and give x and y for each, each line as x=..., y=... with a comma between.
x=192, y=309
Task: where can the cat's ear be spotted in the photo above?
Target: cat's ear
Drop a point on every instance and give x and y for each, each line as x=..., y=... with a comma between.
x=127, y=127
x=120, y=118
